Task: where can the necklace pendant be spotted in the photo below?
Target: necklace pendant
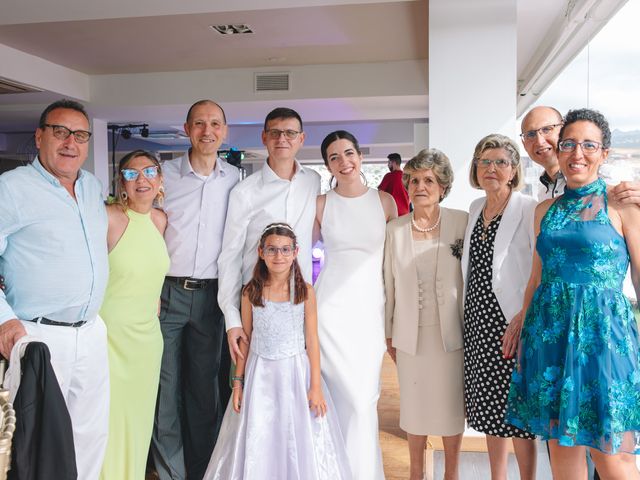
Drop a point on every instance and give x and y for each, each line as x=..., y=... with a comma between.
x=483, y=237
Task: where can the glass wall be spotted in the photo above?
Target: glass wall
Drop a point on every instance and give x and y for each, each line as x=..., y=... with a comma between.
x=606, y=76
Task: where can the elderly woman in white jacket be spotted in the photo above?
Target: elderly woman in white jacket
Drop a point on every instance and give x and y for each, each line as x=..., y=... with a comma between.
x=498, y=251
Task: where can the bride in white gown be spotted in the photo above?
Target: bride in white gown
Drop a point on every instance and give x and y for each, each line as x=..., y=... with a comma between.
x=351, y=219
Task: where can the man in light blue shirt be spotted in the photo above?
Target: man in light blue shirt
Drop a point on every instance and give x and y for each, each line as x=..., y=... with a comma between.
x=53, y=254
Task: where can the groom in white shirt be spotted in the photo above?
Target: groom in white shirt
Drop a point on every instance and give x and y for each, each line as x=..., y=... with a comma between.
x=281, y=191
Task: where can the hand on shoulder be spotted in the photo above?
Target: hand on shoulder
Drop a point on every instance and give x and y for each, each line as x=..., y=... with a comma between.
x=626, y=193
x=624, y=215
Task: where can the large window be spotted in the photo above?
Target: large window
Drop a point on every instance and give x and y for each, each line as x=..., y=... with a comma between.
x=606, y=76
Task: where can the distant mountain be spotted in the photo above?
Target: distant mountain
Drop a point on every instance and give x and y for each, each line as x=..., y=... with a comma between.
x=622, y=139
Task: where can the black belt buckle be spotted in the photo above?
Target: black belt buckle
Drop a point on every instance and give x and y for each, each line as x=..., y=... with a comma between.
x=194, y=284
x=189, y=283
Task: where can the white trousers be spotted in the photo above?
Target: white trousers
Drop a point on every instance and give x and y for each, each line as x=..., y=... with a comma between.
x=79, y=358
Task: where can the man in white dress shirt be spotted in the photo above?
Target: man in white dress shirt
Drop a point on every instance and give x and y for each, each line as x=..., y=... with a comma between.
x=190, y=402
x=281, y=191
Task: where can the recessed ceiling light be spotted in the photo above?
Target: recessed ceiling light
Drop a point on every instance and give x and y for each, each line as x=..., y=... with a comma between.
x=242, y=28
x=235, y=29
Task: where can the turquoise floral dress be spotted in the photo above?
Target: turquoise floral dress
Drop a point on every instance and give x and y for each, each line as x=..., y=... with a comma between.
x=577, y=378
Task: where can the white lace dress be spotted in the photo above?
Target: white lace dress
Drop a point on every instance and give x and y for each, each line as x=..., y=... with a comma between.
x=275, y=435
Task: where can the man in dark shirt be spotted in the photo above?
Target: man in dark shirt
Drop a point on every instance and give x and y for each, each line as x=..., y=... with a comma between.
x=392, y=184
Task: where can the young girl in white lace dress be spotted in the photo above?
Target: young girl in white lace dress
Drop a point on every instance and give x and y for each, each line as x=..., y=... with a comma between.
x=280, y=422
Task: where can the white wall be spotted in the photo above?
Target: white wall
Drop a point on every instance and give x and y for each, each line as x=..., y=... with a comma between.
x=472, y=77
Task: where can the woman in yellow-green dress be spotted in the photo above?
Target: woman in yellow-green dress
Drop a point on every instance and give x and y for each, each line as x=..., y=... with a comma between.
x=138, y=262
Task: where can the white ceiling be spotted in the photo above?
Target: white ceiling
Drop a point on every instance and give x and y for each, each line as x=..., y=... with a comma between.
x=147, y=61
x=282, y=37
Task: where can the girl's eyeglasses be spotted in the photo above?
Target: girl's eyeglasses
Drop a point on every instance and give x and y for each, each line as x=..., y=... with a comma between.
x=286, y=251
x=131, y=174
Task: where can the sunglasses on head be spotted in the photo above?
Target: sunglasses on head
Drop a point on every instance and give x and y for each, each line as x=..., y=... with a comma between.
x=131, y=174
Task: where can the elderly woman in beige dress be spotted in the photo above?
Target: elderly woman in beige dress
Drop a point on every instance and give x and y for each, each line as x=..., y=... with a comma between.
x=423, y=284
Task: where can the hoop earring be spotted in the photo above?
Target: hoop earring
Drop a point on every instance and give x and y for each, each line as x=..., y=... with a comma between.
x=331, y=181
x=160, y=196
x=124, y=198
x=364, y=179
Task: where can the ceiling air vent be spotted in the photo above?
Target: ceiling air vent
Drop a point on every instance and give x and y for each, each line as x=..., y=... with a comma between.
x=9, y=86
x=272, y=82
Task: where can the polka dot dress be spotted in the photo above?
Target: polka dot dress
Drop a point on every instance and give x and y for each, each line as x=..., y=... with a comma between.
x=487, y=374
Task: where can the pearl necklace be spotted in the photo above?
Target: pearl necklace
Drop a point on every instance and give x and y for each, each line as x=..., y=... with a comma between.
x=428, y=229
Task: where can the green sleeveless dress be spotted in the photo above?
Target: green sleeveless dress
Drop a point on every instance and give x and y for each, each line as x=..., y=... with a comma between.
x=137, y=266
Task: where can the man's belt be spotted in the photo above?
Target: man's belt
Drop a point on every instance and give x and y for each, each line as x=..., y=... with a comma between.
x=46, y=321
x=189, y=283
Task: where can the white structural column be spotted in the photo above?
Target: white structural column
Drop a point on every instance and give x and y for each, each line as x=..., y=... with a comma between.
x=98, y=161
x=472, y=81
x=420, y=136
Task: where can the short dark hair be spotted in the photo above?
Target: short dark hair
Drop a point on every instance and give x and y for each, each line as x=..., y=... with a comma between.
x=284, y=113
x=588, y=115
x=206, y=102
x=63, y=103
x=337, y=135
x=395, y=158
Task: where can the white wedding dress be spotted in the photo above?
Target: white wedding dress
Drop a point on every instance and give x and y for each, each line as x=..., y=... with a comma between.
x=350, y=295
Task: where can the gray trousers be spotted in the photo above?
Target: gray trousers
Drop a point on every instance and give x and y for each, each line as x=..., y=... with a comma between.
x=190, y=405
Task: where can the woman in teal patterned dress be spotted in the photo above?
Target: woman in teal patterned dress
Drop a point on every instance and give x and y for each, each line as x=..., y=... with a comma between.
x=577, y=379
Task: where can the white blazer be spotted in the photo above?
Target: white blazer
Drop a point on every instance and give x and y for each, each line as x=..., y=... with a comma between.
x=512, y=251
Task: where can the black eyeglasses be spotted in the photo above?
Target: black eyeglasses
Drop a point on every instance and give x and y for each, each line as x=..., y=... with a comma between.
x=274, y=133
x=544, y=131
x=62, y=133
x=588, y=146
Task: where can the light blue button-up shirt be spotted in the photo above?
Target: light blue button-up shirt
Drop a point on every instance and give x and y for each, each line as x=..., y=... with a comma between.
x=53, y=249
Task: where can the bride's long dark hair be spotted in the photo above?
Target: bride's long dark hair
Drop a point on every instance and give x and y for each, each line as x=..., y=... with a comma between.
x=256, y=285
